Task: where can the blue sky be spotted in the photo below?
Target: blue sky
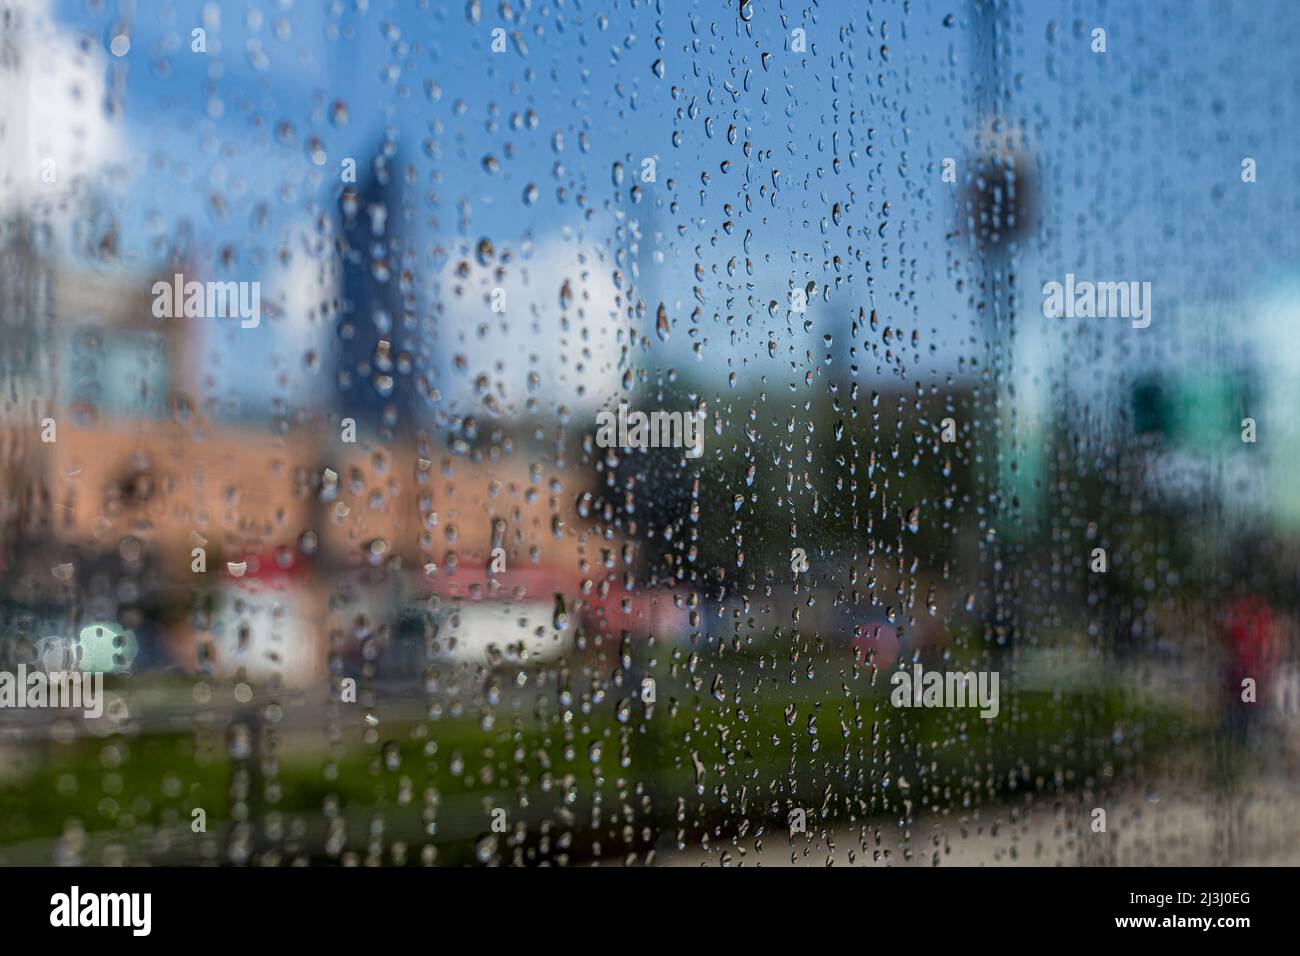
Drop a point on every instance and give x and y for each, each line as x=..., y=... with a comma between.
x=1138, y=149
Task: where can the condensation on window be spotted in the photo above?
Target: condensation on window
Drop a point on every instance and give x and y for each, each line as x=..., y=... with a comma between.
x=634, y=432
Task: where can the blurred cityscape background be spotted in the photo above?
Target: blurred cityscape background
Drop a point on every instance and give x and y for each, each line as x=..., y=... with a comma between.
x=561, y=206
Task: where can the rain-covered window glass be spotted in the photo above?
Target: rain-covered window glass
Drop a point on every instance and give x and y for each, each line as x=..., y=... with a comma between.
x=648, y=432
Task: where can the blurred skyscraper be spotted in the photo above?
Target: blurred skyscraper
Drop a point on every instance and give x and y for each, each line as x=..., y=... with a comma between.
x=377, y=328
